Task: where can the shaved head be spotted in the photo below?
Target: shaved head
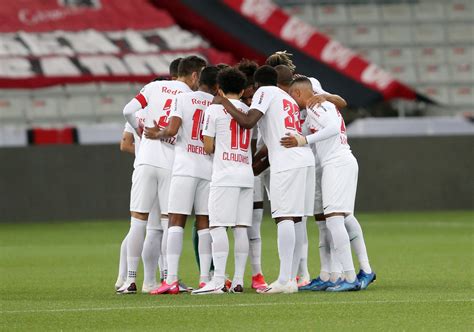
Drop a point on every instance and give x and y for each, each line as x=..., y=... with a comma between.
x=301, y=90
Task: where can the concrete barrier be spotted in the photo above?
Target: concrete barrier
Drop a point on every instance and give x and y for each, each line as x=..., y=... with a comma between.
x=48, y=183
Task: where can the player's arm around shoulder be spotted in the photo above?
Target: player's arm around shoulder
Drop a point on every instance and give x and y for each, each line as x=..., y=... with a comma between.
x=245, y=120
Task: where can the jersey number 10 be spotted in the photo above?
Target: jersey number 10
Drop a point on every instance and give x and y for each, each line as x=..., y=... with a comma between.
x=240, y=137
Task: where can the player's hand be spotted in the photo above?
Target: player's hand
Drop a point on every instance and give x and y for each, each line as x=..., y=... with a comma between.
x=152, y=132
x=316, y=101
x=218, y=100
x=293, y=140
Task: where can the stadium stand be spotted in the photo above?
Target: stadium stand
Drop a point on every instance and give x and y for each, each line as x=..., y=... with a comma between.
x=427, y=44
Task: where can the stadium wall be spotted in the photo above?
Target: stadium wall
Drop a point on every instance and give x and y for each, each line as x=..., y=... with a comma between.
x=53, y=183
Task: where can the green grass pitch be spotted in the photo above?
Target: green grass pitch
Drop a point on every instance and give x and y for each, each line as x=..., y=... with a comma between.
x=60, y=276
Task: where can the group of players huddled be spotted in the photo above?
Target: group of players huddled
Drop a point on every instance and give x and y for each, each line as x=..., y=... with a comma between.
x=213, y=139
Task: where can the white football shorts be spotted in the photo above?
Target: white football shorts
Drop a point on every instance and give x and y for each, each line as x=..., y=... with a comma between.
x=261, y=183
x=150, y=183
x=292, y=192
x=230, y=206
x=339, y=186
x=186, y=192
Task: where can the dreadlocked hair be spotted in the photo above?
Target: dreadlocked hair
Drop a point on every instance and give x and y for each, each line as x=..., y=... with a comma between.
x=281, y=58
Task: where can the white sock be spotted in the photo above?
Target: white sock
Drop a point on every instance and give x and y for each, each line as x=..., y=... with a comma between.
x=342, y=246
x=220, y=251
x=151, y=254
x=164, y=242
x=135, y=239
x=357, y=242
x=241, y=252
x=205, y=253
x=160, y=264
x=335, y=265
x=122, y=272
x=299, y=239
x=303, y=266
x=255, y=242
x=174, y=248
x=324, y=251
x=286, y=248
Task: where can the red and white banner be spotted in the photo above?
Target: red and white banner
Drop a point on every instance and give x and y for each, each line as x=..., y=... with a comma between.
x=311, y=42
x=66, y=41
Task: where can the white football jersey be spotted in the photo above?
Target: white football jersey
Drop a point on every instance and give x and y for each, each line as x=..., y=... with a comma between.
x=281, y=115
x=158, y=97
x=317, y=88
x=136, y=139
x=190, y=158
x=232, y=161
x=335, y=148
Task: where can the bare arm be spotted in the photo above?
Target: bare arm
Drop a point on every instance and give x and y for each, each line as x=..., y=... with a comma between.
x=209, y=144
x=247, y=121
x=170, y=131
x=127, y=143
x=317, y=100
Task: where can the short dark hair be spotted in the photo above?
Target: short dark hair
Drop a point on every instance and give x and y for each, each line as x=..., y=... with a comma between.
x=248, y=67
x=285, y=76
x=190, y=64
x=209, y=76
x=301, y=80
x=174, y=67
x=231, y=80
x=266, y=75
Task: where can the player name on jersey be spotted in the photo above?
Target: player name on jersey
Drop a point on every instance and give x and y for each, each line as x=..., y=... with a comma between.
x=236, y=157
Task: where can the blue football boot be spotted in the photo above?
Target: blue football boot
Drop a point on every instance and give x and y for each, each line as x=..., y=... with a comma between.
x=344, y=286
x=366, y=279
x=316, y=285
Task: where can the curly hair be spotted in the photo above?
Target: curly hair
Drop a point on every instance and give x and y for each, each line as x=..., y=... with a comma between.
x=248, y=67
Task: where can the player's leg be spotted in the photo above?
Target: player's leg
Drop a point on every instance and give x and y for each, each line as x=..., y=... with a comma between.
x=283, y=199
x=143, y=194
x=122, y=272
x=366, y=276
x=357, y=242
x=303, y=272
x=164, y=219
x=152, y=249
x=255, y=240
x=195, y=239
x=305, y=182
x=201, y=208
x=322, y=281
x=241, y=240
x=222, y=214
x=180, y=203
x=338, y=201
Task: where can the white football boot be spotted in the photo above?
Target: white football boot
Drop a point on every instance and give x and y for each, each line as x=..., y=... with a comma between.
x=212, y=287
x=277, y=288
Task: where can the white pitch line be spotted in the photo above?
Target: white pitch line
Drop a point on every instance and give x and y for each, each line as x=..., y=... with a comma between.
x=187, y=306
